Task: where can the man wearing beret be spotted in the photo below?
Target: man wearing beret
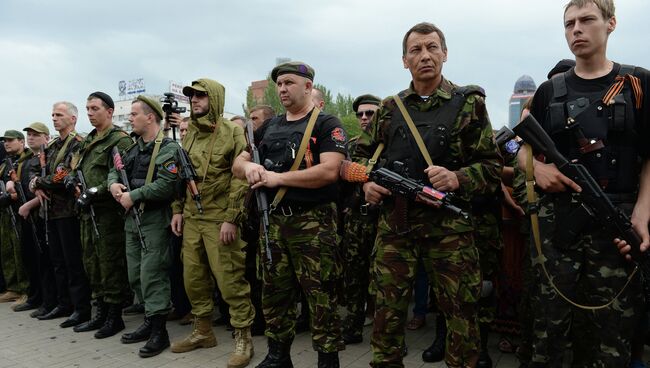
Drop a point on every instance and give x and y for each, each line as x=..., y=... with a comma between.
x=457, y=153
x=360, y=221
x=212, y=244
x=63, y=241
x=42, y=288
x=11, y=255
x=152, y=174
x=104, y=254
x=301, y=151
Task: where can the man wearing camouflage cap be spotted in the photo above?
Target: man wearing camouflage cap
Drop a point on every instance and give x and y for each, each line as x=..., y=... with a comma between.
x=457, y=154
x=299, y=174
x=360, y=221
x=152, y=174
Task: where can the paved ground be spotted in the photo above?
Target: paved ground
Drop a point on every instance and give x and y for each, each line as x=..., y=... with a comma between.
x=27, y=342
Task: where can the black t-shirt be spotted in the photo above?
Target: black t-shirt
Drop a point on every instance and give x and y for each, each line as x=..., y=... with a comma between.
x=544, y=95
x=328, y=135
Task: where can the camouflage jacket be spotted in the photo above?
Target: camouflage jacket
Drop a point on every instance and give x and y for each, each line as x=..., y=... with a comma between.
x=471, y=144
x=61, y=204
x=94, y=159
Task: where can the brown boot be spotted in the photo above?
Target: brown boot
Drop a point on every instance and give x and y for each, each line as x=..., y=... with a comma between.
x=201, y=337
x=243, y=348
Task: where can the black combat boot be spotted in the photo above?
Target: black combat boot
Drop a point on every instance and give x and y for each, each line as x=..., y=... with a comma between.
x=141, y=333
x=159, y=340
x=279, y=355
x=436, y=352
x=353, y=332
x=484, y=360
x=328, y=360
x=97, y=321
x=114, y=322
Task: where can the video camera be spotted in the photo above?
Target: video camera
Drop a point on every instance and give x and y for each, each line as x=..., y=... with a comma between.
x=170, y=105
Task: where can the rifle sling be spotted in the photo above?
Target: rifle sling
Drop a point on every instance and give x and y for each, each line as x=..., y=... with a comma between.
x=152, y=162
x=299, y=156
x=414, y=130
x=61, y=153
x=534, y=222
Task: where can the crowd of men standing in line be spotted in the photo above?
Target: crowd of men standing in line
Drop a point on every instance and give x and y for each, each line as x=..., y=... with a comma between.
x=103, y=217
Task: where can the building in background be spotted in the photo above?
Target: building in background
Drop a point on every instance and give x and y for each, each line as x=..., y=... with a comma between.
x=524, y=89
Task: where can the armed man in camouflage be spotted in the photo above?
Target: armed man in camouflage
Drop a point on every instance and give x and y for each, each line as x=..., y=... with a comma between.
x=104, y=255
x=360, y=230
x=212, y=244
x=302, y=235
x=457, y=135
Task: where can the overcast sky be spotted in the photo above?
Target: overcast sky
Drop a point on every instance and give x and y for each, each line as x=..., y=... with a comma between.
x=63, y=50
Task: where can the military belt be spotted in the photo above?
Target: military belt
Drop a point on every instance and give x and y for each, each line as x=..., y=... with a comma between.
x=289, y=209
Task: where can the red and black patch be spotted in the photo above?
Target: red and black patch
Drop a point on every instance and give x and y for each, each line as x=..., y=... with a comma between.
x=339, y=136
x=170, y=166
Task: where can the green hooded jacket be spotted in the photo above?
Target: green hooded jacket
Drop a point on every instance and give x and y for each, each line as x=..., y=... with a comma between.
x=222, y=195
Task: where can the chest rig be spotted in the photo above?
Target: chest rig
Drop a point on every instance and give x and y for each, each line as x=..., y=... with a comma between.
x=435, y=128
x=137, y=162
x=601, y=136
x=279, y=147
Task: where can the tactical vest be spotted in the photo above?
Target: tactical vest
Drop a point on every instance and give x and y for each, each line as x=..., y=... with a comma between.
x=573, y=115
x=137, y=164
x=435, y=128
x=280, y=145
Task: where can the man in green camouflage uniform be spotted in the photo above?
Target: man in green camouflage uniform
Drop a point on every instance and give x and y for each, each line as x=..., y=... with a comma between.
x=12, y=261
x=302, y=234
x=104, y=255
x=457, y=133
x=151, y=170
x=212, y=244
x=360, y=230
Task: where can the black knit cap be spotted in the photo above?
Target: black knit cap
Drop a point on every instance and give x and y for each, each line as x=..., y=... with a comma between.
x=561, y=67
x=104, y=97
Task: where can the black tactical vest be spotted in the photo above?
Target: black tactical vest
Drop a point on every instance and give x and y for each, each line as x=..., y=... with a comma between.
x=136, y=164
x=279, y=147
x=615, y=166
x=435, y=128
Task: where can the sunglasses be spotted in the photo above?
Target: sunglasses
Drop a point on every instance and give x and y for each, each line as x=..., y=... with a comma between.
x=368, y=113
x=199, y=94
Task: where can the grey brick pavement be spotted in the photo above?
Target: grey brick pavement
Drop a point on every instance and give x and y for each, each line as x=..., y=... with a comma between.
x=28, y=343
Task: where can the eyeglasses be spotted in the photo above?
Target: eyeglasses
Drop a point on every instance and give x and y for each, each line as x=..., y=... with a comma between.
x=368, y=113
x=198, y=94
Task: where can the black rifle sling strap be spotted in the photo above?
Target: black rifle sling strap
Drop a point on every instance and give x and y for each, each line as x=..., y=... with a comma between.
x=534, y=226
x=299, y=156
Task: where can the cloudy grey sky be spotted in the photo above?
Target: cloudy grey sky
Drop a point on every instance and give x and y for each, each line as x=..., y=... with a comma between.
x=63, y=50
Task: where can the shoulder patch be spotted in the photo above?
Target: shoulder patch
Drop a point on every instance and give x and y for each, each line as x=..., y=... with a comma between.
x=171, y=166
x=338, y=135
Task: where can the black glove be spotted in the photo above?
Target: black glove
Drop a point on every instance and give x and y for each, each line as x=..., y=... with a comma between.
x=71, y=183
x=85, y=199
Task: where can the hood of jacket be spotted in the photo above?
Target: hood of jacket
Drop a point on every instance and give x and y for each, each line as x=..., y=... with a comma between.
x=216, y=96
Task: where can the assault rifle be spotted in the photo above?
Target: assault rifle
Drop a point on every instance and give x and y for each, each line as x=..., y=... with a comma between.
x=84, y=187
x=22, y=200
x=10, y=211
x=505, y=139
x=188, y=173
x=42, y=160
x=260, y=194
x=400, y=185
x=119, y=166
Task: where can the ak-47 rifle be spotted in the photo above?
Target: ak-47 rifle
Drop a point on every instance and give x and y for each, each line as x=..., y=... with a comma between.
x=10, y=212
x=42, y=160
x=22, y=200
x=400, y=185
x=260, y=194
x=119, y=166
x=84, y=187
x=595, y=202
x=188, y=173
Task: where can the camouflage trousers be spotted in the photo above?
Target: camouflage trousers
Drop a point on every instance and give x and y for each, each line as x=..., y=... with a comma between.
x=304, y=247
x=489, y=243
x=589, y=270
x=452, y=266
x=13, y=270
x=104, y=257
x=356, y=245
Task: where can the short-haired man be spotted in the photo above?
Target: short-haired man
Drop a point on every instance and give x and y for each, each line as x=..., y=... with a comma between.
x=104, y=254
x=72, y=286
x=211, y=239
x=239, y=120
x=260, y=114
x=360, y=229
x=458, y=155
x=302, y=234
x=597, y=114
x=151, y=165
x=318, y=98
